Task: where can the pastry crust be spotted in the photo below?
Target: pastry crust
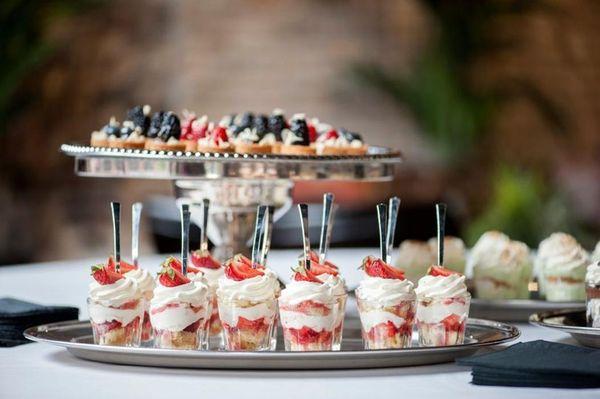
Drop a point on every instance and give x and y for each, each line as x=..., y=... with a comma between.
x=356, y=150
x=190, y=145
x=133, y=145
x=329, y=150
x=220, y=150
x=244, y=148
x=98, y=143
x=298, y=150
x=159, y=145
x=276, y=147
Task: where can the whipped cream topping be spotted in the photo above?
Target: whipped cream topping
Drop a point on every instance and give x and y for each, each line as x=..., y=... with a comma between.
x=194, y=293
x=289, y=138
x=136, y=135
x=262, y=310
x=143, y=278
x=172, y=140
x=596, y=253
x=211, y=142
x=451, y=286
x=494, y=249
x=300, y=291
x=371, y=318
x=248, y=136
x=116, y=294
x=337, y=283
x=99, y=135
x=384, y=291
x=561, y=254
x=437, y=311
x=592, y=275
x=268, y=138
x=255, y=289
x=212, y=276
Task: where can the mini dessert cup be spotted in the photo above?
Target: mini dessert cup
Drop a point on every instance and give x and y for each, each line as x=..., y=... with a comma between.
x=308, y=325
x=387, y=326
x=339, y=323
x=193, y=336
x=501, y=282
x=563, y=288
x=247, y=325
x=593, y=305
x=116, y=326
x=442, y=321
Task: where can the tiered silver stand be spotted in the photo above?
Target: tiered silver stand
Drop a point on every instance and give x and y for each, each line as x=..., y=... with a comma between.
x=235, y=183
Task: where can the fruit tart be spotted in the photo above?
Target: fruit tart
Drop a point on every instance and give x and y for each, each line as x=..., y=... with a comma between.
x=296, y=139
x=192, y=129
x=116, y=308
x=212, y=270
x=100, y=138
x=251, y=140
x=165, y=133
x=442, y=307
x=308, y=309
x=216, y=140
x=179, y=310
x=386, y=304
x=247, y=301
x=277, y=124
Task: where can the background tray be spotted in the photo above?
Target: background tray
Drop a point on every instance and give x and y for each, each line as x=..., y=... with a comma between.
x=76, y=337
x=516, y=310
x=571, y=321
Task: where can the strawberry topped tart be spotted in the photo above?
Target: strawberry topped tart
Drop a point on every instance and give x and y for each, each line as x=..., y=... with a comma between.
x=116, y=308
x=386, y=304
x=442, y=307
x=247, y=301
x=180, y=309
x=308, y=309
x=212, y=271
x=215, y=140
x=145, y=283
x=339, y=142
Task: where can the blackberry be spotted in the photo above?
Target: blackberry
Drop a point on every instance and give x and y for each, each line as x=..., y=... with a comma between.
x=242, y=122
x=171, y=127
x=261, y=124
x=350, y=136
x=300, y=128
x=276, y=124
x=139, y=118
x=155, y=124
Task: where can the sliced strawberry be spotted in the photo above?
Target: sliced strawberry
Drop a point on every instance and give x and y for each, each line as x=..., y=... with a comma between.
x=331, y=134
x=200, y=259
x=219, y=135
x=376, y=267
x=314, y=258
x=176, y=264
x=312, y=132
x=124, y=267
x=104, y=276
x=303, y=274
x=171, y=277
x=452, y=323
x=440, y=271
x=199, y=128
x=240, y=268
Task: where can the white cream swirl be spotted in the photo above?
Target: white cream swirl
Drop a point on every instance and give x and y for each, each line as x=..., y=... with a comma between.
x=116, y=294
x=300, y=291
x=384, y=291
x=143, y=278
x=561, y=254
x=596, y=253
x=494, y=249
x=592, y=275
x=451, y=286
x=194, y=293
x=255, y=289
x=337, y=283
x=213, y=276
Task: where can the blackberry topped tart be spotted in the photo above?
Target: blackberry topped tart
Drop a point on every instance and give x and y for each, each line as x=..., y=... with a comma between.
x=251, y=134
x=100, y=137
x=296, y=139
x=165, y=133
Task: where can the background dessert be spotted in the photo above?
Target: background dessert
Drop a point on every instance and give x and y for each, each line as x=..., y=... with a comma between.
x=414, y=258
x=296, y=139
x=592, y=289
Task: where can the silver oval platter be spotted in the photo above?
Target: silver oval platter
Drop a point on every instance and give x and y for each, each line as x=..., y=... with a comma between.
x=516, y=310
x=76, y=337
x=571, y=322
x=377, y=165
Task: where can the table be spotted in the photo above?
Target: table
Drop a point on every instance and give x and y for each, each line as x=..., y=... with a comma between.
x=38, y=370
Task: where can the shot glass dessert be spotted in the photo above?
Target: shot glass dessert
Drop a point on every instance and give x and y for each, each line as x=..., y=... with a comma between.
x=212, y=270
x=146, y=285
x=561, y=267
x=455, y=257
x=414, y=257
x=442, y=307
x=501, y=267
x=179, y=310
x=592, y=289
x=386, y=305
x=116, y=308
x=247, y=302
x=308, y=310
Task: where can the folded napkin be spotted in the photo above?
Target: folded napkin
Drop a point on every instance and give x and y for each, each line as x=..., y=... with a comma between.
x=16, y=316
x=537, y=364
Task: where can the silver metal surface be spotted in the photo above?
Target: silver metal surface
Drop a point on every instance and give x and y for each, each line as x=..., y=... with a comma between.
x=440, y=210
x=516, y=310
x=115, y=208
x=76, y=336
x=393, y=207
x=570, y=321
x=136, y=215
x=303, y=211
x=382, y=223
x=204, y=226
x=326, y=226
x=259, y=232
x=185, y=236
x=266, y=246
x=378, y=165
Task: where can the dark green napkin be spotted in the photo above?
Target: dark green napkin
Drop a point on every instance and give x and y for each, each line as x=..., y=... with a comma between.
x=537, y=364
x=17, y=315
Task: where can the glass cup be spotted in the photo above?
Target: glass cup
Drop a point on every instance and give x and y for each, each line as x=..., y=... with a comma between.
x=308, y=325
x=592, y=313
x=386, y=326
x=147, y=332
x=442, y=321
x=339, y=324
x=247, y=325
x=116, y=326
x=179, y=325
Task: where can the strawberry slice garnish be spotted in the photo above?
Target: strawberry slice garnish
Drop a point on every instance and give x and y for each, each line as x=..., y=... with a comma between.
x=199, y=128
x=176, y=264
x=171, y=277
x=314, y=258
x=104, y=276
x=331, y=134
x=303, y=274
x=240, y=268
x=440, y=271
x=312, y=132
x=200, y=259
x=219, y=135
x=124, y=267
x=376, y=267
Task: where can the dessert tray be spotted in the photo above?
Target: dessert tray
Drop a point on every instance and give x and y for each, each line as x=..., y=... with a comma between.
x=76, y=336
x=516, y=310
x=570, y=321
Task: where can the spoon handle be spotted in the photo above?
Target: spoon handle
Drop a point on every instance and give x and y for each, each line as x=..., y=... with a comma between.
x=116, y=220
x=203, y=234
x=258, y=233
x=185, y=236
x=267, y=235
x=441, y=230
x=136, y=215
x=382, y=221
x=326, y=226
x=393, y=207
x=303, y=211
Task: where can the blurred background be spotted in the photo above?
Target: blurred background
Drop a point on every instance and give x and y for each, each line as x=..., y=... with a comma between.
x=495, y=105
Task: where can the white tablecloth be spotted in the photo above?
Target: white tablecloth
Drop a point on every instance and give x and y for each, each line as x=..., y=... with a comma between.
x=43, y=371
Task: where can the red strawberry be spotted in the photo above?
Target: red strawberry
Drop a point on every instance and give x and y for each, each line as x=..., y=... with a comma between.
x=170, y=277
x=303, y=274
x=186, y=126
x=199, y=128
x=314, y=258
x=204, y=260
x=104, y=276
x=375, y=267
x=330, y=134
x=440, y=271
x=124, y=267
x=176, y=264
x=240, y=268
x=452, y=323
x=219, y=135
x=312, y=132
